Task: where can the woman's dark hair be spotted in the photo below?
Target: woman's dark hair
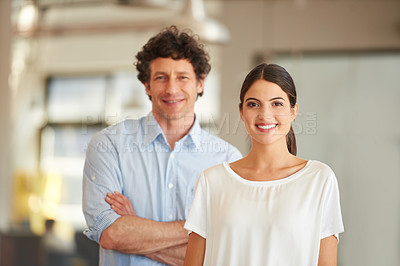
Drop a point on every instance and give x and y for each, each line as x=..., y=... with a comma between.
x=278, y=75
x=170, y=42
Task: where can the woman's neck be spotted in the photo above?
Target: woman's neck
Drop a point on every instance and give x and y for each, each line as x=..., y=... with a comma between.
x=270, y=156
x=268, y=162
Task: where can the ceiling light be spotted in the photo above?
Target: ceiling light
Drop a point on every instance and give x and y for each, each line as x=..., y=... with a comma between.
x=27, y=18
x=194, y=18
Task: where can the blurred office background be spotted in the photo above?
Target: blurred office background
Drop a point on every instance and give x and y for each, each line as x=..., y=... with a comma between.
x=66, y=71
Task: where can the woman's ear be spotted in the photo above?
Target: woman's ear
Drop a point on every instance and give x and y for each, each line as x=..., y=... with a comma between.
x=241, y=111
x=294, y=111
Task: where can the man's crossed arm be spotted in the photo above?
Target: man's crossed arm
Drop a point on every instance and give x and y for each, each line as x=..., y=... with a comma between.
x=161, y=241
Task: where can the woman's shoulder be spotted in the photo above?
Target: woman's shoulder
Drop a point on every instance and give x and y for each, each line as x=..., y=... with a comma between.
x=321, y=166
x=215, y=169
x=215, y=173
x=319, y=169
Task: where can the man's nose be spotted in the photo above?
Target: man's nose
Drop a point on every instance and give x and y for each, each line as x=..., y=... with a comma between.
x=171, y=86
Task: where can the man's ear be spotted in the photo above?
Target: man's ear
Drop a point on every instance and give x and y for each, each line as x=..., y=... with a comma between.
x=147, y=87
x=200, y=84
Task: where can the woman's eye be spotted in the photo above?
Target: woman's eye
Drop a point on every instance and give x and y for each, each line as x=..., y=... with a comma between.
x=277, y=104
x=252, y=104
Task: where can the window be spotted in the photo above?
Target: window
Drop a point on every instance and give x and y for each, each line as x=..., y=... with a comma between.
x=78, y=107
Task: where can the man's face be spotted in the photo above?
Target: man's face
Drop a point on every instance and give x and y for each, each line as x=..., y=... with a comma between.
x=173, y=88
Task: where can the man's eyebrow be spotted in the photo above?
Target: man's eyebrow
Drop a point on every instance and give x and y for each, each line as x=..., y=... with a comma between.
x=165, y=73
x=183, y=72
x=159, y=73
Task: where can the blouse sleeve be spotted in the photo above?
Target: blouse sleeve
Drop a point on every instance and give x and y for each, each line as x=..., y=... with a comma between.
x=332, y=223
x=197, y=218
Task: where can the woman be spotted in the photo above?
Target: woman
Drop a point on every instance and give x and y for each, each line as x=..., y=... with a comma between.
x=271, y=207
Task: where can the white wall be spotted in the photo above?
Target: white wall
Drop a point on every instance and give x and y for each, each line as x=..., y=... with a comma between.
x=274, y=26
x=358, y=130
x=344, y=123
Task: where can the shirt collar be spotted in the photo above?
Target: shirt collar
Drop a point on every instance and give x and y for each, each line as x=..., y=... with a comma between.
x=152, y=130
x=195, y=132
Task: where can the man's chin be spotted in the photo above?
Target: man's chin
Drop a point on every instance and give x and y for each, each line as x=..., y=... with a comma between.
x=177, y=116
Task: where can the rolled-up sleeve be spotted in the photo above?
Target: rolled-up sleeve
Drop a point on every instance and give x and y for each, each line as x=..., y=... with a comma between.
x=101, y=175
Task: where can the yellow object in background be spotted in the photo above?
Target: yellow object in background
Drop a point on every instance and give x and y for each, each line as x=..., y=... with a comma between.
x=35, y=199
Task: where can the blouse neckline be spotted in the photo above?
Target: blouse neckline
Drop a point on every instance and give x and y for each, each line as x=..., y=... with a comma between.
x=269, y=182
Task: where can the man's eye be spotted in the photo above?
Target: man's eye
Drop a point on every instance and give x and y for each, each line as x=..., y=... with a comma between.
x=159, y=78
x=277, y=104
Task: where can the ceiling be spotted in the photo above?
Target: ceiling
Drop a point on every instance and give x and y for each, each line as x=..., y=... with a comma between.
x=72, y=17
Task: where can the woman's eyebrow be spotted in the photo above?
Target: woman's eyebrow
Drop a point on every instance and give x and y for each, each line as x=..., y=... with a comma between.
x=276, y=98
x=252, y=99
x=272, y=99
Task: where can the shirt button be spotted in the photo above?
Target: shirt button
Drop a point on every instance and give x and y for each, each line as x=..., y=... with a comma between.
x=170, y=185
x=93, y=177
x=172, y=156
x=170, y=216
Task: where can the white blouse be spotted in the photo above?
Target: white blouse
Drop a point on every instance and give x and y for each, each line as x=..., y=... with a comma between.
x=264, y=223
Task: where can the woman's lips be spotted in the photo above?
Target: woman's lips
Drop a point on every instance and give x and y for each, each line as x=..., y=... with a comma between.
x=266, y=126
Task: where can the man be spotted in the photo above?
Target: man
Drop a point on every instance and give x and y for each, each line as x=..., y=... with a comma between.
x=154, y=162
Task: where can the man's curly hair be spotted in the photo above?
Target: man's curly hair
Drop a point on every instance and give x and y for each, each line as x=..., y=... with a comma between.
x=170, y=42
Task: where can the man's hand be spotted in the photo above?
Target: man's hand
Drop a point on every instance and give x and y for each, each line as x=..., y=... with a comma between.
x=120, y=204
x=172, y=256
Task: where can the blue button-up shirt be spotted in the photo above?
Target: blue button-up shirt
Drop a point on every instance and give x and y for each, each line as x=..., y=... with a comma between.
x=134, y=158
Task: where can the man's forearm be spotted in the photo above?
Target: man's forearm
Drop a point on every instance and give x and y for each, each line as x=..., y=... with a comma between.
x=136, y=235
x=171, y=256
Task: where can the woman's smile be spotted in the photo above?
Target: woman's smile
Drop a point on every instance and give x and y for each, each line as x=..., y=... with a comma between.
x=266, y=127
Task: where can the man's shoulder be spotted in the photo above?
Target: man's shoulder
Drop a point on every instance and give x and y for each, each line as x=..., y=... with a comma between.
x=126, y=127
x=216, y=145
x=207, y=136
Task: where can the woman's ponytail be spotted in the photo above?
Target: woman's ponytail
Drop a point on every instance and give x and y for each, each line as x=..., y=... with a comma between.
x=291, y=141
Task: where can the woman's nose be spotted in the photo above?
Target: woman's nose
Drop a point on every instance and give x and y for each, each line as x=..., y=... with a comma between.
x=265, y=112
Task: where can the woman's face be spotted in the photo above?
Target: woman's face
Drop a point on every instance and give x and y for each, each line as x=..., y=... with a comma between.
x=266, y=112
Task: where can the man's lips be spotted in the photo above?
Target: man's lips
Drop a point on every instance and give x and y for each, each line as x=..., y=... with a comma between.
x=172, y=101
